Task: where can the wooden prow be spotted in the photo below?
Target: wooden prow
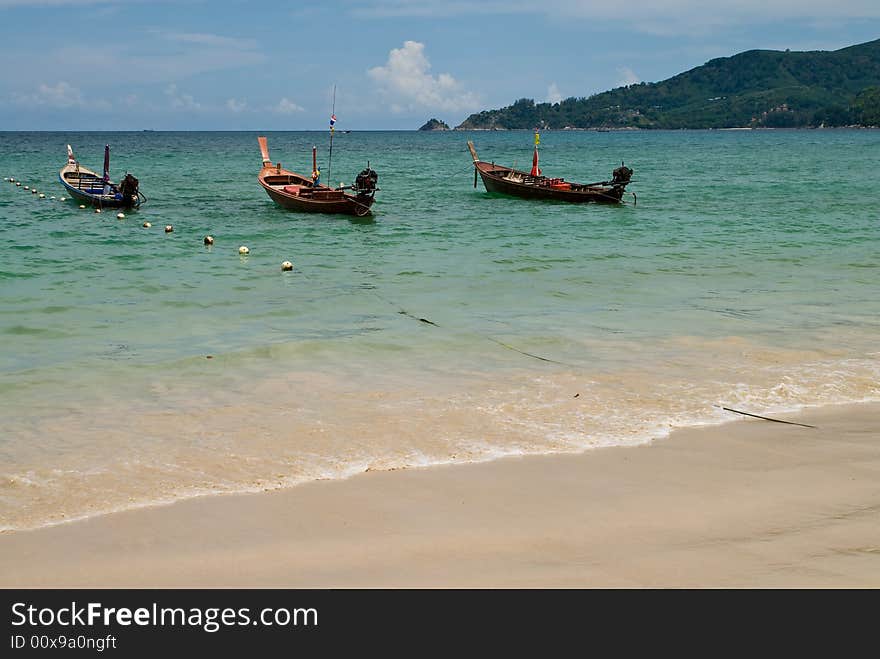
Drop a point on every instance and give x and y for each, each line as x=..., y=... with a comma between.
x=473, y=151
x=264, y=150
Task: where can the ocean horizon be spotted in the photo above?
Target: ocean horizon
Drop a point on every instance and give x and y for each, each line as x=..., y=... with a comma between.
x=140, y=367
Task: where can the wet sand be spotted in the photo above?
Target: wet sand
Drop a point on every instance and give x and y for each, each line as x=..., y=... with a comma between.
x=747, y=504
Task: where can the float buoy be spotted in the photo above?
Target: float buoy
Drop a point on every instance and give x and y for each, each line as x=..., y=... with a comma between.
x=147, y=225
x=82, y=205
x=209, y=240
x=42, y=196
x=168, y=228
x=18, y=184
x=120, y=216
x=287, y=265
x=97, y=210
x=243, y=250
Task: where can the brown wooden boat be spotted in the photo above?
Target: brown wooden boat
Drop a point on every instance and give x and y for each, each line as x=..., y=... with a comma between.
x=534, y=185
x=301, y=193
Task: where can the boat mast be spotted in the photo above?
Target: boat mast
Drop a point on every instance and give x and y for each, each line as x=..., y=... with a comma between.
x=332, y=122
x=106, y=169
x=535, y=171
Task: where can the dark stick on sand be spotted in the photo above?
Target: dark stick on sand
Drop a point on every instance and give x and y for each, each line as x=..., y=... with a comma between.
x=767, y=418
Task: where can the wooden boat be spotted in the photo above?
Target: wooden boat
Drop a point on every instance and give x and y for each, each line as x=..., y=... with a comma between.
x=306, y=194
x=534, y=185
x=87, y=187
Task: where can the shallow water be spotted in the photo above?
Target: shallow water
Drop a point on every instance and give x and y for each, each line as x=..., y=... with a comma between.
x=746, y=275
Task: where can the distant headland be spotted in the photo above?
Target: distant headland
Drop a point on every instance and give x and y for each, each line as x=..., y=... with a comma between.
x=754, y=89
x=435, y=124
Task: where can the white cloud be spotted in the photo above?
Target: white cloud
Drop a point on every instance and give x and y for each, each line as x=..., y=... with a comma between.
x=50, y=3
x=627, y=76
x=670, y=17
x=236, y=106
x=181, y=101
x=208, y=40
x=62, y=95
x=286, y=106
x=553, y=93
x=408, y=84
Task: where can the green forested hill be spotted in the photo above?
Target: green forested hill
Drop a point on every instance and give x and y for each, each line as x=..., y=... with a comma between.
x=758, y=88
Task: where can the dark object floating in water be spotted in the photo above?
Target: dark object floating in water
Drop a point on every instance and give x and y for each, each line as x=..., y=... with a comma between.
x=86, y=186
x=306, y=194
x=534, y=185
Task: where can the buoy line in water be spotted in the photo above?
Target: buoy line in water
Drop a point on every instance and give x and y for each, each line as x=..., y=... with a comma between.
x=287, y=266
x=32, y=189
x=426, y=321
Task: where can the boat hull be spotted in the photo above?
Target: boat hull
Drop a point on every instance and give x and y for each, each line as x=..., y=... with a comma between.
x=496, y=182
x=86, y=187
x=331, y=204
x=294, y=192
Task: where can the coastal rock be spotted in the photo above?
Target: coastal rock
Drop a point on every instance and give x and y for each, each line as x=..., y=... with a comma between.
x=435, y=124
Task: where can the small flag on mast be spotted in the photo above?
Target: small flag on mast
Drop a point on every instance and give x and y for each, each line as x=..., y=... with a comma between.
x=332, y=121
x=535, y=169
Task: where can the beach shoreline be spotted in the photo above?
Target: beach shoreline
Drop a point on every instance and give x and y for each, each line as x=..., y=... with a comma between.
x=746, y=504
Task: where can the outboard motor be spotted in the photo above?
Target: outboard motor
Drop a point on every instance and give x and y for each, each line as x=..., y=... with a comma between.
x=365, y=183
x=129, y=189
x=622, y=175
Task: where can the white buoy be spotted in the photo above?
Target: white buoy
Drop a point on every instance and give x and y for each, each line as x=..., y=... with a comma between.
x=287, y=265
x=34, y=191
x=17, y=184
x=42, y=196
x=97, y=210
x=52, y=197
x=63, y=199
x=209, y=240
x=147, y=225
x=243, y=250
x=26, y=188
x=82, y=205
x=168, y=228
x=120, y=216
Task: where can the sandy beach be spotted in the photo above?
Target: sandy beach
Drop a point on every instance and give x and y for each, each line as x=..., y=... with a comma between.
x=746, y=504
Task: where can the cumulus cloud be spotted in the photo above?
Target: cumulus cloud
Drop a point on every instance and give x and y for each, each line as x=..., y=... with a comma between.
x=553, y=93
x=61, y=95
x=286, y=106
x=627, y=76
x=236, y=106
x=181, y=101
x=408, y=84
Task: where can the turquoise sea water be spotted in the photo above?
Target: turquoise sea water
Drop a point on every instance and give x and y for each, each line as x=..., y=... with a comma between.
x=747, y=275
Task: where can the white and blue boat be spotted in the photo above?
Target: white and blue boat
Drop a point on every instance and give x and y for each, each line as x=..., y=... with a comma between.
x=87, y=187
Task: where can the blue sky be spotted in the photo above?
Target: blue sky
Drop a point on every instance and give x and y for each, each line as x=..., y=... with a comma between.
x=235, y=65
